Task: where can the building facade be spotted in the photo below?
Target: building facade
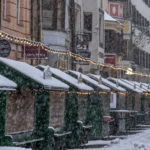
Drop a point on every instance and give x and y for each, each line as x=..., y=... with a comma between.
x=135, y=19
x=89, y=33
x=20, y=19
x=56, y=30
x=15, y=20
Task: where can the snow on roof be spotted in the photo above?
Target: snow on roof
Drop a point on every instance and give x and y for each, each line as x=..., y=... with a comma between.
x=35, y=74
x=6, y=84
x=68, y=78
x=107, y=17
x=107, y=82
x=88, y=79
x=125, y=84
x=133, y=84
x=12, y=148
x=141, y=85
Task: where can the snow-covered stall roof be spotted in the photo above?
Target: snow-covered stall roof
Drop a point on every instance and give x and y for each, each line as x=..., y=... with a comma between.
x=35, y=74
x=134, y=84
x=141, y=85
x=107, y=82
x=147, y=85
x=89, y=80
x=107, y=17
x=125, y=84
x=68, y=78
x=6, y=84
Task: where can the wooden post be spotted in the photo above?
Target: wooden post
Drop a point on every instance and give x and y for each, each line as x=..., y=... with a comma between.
x=42, y=112
x=72, y=29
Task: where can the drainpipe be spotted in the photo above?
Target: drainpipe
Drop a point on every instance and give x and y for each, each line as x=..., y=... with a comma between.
x=72, y=32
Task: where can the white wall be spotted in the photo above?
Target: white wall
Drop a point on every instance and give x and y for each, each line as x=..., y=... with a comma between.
x=91, y=6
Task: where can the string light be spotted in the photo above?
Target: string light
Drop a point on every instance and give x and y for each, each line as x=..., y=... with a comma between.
x=122, y=93
x=103, y=92
x=146, y=94
x=24, y=41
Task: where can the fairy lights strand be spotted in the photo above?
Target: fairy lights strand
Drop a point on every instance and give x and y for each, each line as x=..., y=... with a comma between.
x=24, y=41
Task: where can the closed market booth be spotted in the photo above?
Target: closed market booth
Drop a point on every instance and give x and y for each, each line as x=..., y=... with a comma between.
x=139, y=104
x=145, y=101
x=117, y=105
x=6, y=87
x=76, y=98
x=133, y=96
x=98, y=106
x=28, y=114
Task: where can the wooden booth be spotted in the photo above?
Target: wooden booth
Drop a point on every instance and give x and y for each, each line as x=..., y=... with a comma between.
x=28, y=109
x=98, y=106
x=6, y=87
x=133, y=100
x=145, y=101
x=117, y=105
x=76, y=99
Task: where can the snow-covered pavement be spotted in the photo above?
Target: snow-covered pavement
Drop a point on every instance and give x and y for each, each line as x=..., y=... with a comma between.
x=139, y=141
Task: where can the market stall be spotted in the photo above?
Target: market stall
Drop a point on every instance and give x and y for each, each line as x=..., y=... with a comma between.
x=117, y=105
x=6, y=87
x=78, y=95
x=28, y=108
x=133, y=97
x=98, y=106
x=144, y=108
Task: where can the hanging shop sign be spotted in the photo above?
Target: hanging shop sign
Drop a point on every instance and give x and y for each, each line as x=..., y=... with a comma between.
x=5, y=48
x=116, y=10
x=33, y=52
x=110, y=59
x=113, y=101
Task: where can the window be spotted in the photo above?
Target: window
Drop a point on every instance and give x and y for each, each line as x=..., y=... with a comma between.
x=54, y=14
x=48, y=14
x=101, y=30
x=88, y=24
x=19, y=12
x=6, y=10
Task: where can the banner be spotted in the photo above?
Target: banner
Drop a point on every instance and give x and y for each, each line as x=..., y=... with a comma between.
x=116, y=9
x=33, y=52
x=113, y=100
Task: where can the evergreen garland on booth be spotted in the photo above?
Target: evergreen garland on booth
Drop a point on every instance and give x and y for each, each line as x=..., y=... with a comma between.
x=4, y=140
x=94, y=115
x=71, y=120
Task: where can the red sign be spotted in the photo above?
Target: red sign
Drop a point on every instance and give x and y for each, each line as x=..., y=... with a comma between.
x=107, y=119
x=116, y=9
x=33, y=52
x=110, y=59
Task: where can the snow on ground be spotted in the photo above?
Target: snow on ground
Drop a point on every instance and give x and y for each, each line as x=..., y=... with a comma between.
x=139, y=141
x=12, y=148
